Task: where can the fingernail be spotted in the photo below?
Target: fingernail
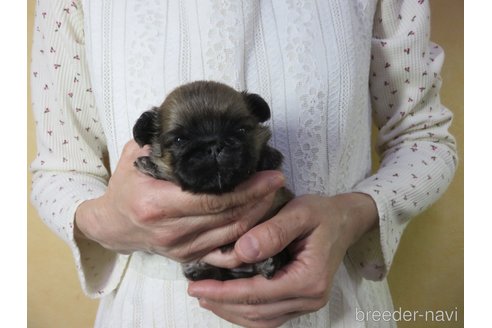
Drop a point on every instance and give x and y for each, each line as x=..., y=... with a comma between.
x=192, y=291
x=249, y=247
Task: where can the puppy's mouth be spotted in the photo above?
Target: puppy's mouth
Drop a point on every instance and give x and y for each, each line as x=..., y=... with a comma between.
x=220, y=177
x=219, y=181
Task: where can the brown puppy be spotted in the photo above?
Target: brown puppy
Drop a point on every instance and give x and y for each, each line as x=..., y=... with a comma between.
x=208, y=138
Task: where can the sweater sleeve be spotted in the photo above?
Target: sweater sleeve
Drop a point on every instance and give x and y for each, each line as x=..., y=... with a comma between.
x=418, y=155
x=69, y=166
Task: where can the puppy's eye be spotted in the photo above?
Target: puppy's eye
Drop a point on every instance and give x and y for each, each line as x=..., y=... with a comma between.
x=179, y=140
x=241, y=130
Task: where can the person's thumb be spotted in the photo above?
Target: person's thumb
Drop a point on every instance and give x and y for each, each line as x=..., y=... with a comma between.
x=272, y=236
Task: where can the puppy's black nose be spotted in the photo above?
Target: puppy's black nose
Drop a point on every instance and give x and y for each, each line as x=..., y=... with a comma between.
x=214, y=149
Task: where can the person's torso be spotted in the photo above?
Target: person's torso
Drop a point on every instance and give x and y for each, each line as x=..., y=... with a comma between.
x=308, y=59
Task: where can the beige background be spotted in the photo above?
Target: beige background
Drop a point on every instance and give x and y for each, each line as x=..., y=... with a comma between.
x=428, y=270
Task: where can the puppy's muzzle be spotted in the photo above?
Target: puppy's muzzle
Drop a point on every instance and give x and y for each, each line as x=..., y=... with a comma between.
x=215, y=149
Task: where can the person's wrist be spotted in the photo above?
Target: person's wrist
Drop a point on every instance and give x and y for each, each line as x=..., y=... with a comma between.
x=85, y=220
x=359, y=215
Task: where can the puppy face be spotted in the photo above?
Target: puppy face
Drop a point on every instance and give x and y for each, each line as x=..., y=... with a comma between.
x=206, y=137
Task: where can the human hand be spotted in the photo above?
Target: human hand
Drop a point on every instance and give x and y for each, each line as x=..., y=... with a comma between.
x=319, y=231
x=140, y=213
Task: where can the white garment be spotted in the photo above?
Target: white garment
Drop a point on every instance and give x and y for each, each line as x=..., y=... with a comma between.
x=323, y=66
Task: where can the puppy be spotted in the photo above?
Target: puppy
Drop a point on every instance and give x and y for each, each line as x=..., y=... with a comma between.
x=208, y=138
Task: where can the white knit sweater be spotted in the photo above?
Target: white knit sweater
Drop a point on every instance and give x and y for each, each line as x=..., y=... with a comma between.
x=323, y=66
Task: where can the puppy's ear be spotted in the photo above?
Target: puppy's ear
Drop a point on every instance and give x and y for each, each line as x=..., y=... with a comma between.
x=258, y=106
x=146, y=127
x=270, y=159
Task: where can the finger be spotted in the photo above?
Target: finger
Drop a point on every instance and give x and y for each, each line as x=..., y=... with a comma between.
x=248, y=318
x=235, y=215
x=201, y=235
x=257, y=187
x=265, y=312
x=287, y=283
x=272, y=236
x=221, y=259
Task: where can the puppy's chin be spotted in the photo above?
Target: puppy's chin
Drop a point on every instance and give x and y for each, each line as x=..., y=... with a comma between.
x=213, y=183
x=210, y=179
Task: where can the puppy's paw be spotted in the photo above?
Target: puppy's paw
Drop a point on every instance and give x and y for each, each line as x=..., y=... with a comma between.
x=271, y=265
x=195, y=271
x=267, y=268
x=145, y=165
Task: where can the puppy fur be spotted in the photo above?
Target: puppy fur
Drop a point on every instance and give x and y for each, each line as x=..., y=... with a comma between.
x=208, y=138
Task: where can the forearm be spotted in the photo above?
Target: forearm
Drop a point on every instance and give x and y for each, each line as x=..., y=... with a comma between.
x=67, y=170
x=359, y=215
